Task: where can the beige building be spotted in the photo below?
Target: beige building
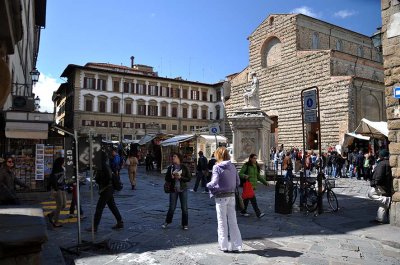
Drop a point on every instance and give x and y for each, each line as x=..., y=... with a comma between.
x=291, y=52
x=391, y=57
x=130, y=102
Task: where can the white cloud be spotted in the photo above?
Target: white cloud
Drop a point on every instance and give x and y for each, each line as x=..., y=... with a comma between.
x=305, y=10
x=345, y=13
x=44, y=89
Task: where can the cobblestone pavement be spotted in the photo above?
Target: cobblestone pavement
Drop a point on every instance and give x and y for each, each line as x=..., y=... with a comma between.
x=344, y=237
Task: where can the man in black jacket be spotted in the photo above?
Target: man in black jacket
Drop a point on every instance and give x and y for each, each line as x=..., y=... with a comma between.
x=381, y=186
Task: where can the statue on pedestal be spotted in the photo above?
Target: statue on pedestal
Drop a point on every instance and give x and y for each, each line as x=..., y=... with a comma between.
x=251, y=93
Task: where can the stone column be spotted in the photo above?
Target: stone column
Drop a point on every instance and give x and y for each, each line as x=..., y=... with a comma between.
x=391, y=63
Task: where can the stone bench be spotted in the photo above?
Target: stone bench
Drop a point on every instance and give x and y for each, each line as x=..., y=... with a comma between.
x=22, y=234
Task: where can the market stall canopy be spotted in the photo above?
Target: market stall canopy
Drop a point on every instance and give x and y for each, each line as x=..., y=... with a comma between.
x=128, y=141
x=27, y=130
x=177, y=139
x=147, y=138
x=375, y=129
x=349, y=137
x=220, y=138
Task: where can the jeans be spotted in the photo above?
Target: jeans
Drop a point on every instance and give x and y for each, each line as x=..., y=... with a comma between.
x=289, y=174
x=106, y=198
x=227, y=224
x=173, y=199
x=200, y=177
x=351, y=171
x=253, y=203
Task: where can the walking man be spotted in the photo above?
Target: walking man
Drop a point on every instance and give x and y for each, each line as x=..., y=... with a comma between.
x=202, y=172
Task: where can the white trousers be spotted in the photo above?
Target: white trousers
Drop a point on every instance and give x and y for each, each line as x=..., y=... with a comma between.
x=227, y=224
x=375, y=193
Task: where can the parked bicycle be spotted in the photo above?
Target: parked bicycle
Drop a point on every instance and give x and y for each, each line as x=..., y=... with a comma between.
x=310, y=194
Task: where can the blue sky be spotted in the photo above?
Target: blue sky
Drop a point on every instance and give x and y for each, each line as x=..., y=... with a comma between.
x=203, y=40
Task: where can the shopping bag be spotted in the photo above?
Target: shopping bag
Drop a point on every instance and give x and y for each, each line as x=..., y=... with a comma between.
x=238, y=201
x=168, y=187
x=248, y=191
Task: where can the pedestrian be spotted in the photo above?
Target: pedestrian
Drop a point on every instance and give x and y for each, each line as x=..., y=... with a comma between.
x=106, y=192
x=251, y=172
x=381, y=186
x=8, y=181
x=287, y=165
x=74, y=203
x=178, y=175
x=132, y=164
x=149, y=161
x=201, y=172
x=115, y=162
x=58, y=186
x=224, y=181
x=360, y=165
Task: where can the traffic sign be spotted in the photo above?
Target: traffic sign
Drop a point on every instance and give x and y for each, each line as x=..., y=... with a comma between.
x=396, y=92
x=214, y=129
x=310, y=116
x=310, y=100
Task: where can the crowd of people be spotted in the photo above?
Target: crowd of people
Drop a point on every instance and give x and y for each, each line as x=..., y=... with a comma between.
x=219, y=178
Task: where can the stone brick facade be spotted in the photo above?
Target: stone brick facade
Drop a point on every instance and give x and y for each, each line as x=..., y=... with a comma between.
x=293, y=52
x=119, y=101
x=391, y=62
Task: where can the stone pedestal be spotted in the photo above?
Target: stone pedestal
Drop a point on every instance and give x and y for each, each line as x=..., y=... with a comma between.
x=251, y=129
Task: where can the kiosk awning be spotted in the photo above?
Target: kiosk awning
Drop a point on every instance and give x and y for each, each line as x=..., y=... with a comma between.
x=27, y=130
x=220, y=138
x=177, y=139
x=374, y=129
x=147, y=138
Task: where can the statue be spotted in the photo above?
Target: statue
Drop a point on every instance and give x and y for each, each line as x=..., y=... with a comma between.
x=250, y=93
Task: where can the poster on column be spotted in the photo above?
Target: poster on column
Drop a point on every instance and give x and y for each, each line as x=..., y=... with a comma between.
x=39, y=162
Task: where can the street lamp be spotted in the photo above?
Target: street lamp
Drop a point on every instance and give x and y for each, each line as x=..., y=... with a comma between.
x=34, y=75
x=37, y=103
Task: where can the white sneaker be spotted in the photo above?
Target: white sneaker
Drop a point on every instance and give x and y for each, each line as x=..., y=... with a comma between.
x=245, y=214
x=164, y=225
x=261, y=215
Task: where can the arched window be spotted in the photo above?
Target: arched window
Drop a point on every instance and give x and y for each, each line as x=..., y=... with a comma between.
x=360, y=51
x=88, y=102
x=271, y=52
x=315, y=41
x=371, y=108
x=339, y=45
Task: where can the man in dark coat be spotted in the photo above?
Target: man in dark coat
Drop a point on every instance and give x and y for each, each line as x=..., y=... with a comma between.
x=381, y=186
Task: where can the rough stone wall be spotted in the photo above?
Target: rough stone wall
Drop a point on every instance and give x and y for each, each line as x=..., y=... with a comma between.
x=391, y=62
x=281, y=84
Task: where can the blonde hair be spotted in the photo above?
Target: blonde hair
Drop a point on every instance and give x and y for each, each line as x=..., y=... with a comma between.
x=222, y=154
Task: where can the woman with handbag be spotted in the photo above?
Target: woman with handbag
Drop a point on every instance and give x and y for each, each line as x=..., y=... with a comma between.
x=251, y=172
x=58, y=185
x=176, y=180
x=224, y=181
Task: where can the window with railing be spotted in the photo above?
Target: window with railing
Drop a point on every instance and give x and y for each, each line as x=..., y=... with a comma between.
x=184, y=113
x=88, y=104
x=164, y=111
x=115, y=107
x=141, y=109
x=128, y=108
x=153, y=110
x=102, y=106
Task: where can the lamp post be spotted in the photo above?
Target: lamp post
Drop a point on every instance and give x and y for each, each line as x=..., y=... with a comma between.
x=34, y=75
x=377, y=39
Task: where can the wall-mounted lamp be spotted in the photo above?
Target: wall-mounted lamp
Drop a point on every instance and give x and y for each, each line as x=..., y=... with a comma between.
x=37, y=103
x=34, y=75
x=377, y=39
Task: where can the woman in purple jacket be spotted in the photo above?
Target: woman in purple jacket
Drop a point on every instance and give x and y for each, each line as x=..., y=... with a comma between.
x=222, y=186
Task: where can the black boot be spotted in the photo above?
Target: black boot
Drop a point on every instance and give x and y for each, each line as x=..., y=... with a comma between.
x=133, y=187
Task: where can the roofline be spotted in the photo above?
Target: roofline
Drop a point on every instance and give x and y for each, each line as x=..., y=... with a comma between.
x=299, y=14
x=71, y=67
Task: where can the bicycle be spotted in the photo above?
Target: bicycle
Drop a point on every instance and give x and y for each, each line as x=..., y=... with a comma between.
x=308, y=192
x=311, y=195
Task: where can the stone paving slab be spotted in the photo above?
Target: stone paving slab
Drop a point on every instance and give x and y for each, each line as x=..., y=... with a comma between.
x=344, y=237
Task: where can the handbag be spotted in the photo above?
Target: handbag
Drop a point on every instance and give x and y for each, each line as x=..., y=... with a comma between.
x=248, y=191
x=238, y=200
x=168, y=187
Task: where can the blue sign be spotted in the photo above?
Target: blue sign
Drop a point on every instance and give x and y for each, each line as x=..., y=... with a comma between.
x=214, y=130
x=396, y=92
